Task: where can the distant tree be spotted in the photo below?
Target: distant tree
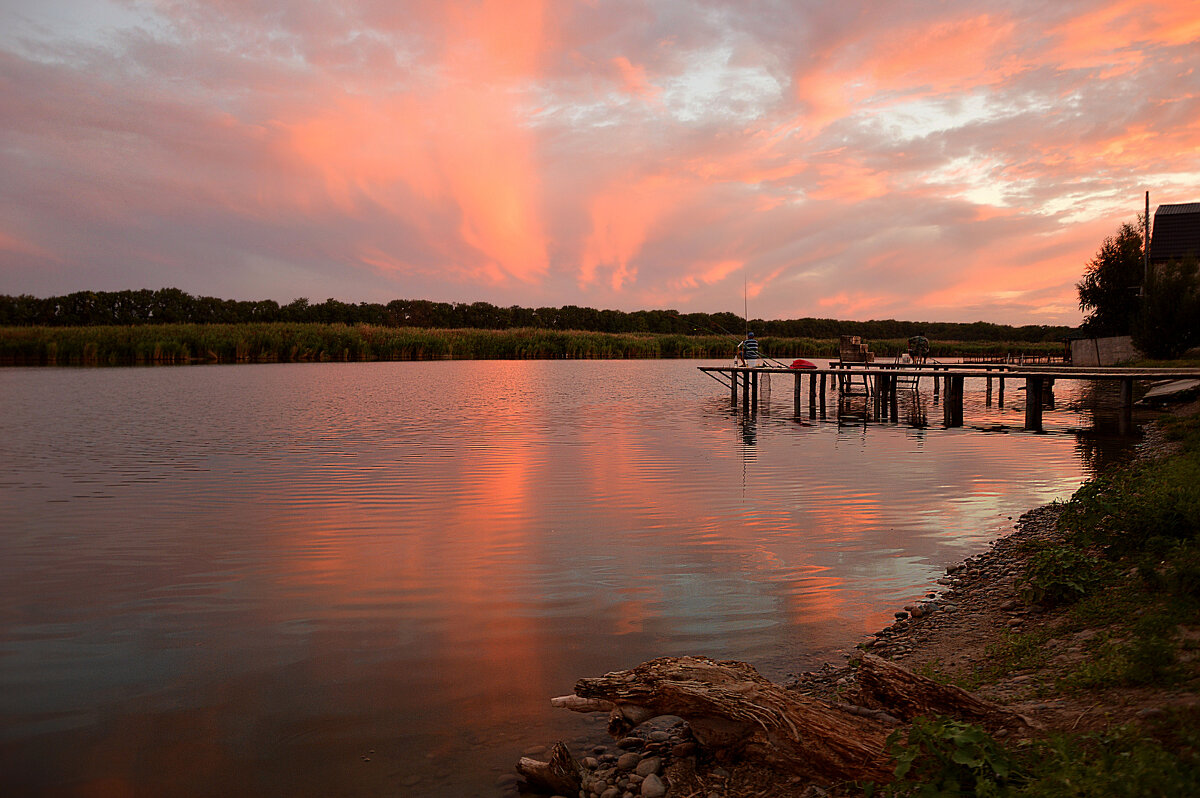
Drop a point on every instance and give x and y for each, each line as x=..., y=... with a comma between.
x=1168, y=321
x=1108, y=291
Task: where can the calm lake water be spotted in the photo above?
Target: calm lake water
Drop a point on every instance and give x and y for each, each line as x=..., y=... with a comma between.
x=369, y=579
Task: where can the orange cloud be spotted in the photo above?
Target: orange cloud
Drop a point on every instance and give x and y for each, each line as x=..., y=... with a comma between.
x=20, y=246
x=849, y=182
x=633, y=79
x=710, y=274
x=458, y=142
x=622, y=217
x=1115, y=34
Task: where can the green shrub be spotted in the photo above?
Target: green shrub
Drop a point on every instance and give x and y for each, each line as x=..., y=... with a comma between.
x=945, y=757
x=1120, y=764
x=1059, y=575
x=1147, y=505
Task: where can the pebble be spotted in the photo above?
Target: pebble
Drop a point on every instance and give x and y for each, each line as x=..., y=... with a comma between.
x=627, y=743
x=648, y=766
x=653, y=787
x=628, y=761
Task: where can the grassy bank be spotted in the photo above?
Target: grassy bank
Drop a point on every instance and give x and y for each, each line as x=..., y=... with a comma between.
x=284, y=342
x=1119, y=584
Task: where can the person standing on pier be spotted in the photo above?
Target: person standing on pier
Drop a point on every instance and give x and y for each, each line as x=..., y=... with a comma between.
x=748, y=351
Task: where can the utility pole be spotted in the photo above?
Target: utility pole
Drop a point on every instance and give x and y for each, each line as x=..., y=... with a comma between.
x=1146, y=245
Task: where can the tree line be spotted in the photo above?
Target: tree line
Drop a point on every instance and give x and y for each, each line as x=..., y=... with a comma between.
x=173, y=306
x=1159, y=306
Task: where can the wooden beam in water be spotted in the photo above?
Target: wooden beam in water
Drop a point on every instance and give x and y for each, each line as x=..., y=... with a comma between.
x=1126, y=403
x=955, y=400
x=1033, y=403
x=947, y=416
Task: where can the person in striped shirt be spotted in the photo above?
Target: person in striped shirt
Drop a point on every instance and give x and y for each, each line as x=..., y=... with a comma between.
x=748, y=351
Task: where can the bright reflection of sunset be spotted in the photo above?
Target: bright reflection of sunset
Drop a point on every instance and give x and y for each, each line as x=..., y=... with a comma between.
x=938, y=162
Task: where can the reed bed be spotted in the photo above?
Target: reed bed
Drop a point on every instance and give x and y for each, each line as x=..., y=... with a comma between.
x=304, y=342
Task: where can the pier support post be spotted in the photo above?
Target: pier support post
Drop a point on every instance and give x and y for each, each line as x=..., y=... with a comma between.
x=947, y=413
x=733, y=389
x=746, y=392
x=753, y=391
x=988, y=400
x=812, y=395
x=1000, y=396
x=1126, y=421
x=1033, y=403
x=955, y=400
x=796, y=394
x=893, y=396
x=822, y=396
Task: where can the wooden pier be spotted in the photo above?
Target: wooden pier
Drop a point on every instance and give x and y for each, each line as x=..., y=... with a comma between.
x=880, y=384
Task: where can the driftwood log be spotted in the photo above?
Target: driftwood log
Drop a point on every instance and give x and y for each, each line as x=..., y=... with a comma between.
x=904, y=694
x=559, y=776
x=739, y=716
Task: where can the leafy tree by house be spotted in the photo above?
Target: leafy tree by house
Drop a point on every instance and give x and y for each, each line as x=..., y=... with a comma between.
x=1168, y=323
x=1108, y=291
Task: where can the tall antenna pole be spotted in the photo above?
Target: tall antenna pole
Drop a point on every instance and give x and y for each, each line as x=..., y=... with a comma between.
x=746, y=296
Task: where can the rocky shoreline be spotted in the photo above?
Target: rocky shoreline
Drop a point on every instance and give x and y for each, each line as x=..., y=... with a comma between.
x=978, y=602
x=953, y=635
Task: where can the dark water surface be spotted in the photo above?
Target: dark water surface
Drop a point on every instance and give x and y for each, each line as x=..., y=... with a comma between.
x=368, y=579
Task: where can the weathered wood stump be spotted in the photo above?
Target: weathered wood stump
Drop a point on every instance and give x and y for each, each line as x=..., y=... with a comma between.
x=559, y=776
x=739, y=716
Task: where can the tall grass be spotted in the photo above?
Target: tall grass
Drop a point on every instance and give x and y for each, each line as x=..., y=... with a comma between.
x=295, y=342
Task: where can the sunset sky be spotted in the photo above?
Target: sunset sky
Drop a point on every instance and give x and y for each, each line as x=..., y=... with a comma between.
x=952, y=161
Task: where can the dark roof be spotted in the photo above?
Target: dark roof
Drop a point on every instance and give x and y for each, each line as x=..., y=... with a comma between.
x=1176, y=232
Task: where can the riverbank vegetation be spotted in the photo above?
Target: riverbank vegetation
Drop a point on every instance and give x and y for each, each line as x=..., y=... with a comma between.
x=1122, y=584
x=172, y=306
x=309, y=342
